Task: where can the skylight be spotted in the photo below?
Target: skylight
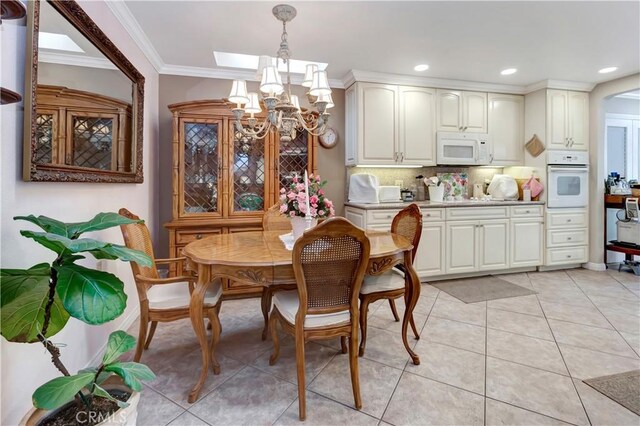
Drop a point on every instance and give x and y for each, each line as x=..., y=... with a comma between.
x=55, y=41
x=250, y=62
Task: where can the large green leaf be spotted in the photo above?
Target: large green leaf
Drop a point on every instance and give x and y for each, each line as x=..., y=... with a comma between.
x=24, y=298
x=104, y=375
x=60, y=390
x=61, y=244
x=47, y=239
x=98, y=391
x=92, y=296
x=49, y=225
x=119, y=343
x=132, y=373
x=115, y=251
x=99, y=222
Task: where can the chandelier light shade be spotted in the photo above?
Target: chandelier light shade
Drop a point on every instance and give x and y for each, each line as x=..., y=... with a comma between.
x=238, y=93
x=284, y=113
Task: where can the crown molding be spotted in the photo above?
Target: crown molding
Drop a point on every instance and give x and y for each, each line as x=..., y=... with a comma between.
x=129, y=22
x=75, y=60
x=443, y=83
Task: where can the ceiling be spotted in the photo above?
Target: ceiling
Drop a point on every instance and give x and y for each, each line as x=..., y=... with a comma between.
x=470, y=41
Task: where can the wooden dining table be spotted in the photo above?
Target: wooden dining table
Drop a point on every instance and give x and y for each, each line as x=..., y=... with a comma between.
x=260, y=258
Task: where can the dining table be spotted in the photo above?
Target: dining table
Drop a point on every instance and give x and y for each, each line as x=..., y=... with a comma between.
x=260, y=258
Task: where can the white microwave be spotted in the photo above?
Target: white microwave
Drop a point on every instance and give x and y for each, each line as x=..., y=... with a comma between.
x=462, y=149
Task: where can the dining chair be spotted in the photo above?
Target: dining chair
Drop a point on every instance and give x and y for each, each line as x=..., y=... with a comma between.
x=273, y=220
x=329, y=263
x=165, y=299
x=391, y=285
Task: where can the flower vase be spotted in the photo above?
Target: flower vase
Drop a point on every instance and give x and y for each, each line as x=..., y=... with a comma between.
x=299, y=225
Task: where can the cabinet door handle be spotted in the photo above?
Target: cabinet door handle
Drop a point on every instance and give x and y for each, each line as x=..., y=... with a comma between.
x=568, y=238
x=428, y=214
x=465, y=128
x=527, y=211
x=388, y=216
x=395, y=156
x=568, y=256
x=568, y=220
x=401, y=157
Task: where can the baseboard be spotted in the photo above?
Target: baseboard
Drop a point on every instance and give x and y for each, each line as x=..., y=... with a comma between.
x=477, y=274
x=593, y=266
x=124, y=325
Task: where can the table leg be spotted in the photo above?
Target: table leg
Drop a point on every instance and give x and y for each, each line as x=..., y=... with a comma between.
x=412, y=289
x=197, y=321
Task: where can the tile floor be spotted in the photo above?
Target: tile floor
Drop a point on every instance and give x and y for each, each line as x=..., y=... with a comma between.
x=510, y=361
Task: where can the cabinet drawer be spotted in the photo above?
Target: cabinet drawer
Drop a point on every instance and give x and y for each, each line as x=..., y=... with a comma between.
x=432, y=215
x=474, y=213
x=185, y=237
x=527, y=211
x=567, y=237
x=381, y=216
x=567, y=219
x=559, y=256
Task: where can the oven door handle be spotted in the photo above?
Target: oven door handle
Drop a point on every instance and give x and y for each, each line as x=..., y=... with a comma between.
x=579, y=169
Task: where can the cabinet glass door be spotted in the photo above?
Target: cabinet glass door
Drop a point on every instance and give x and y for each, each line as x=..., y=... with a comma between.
x=249, y=172
x=293, y=159
x=201, y=167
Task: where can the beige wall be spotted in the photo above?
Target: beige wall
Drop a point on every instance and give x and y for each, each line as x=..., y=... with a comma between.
x=597, y=99
x=25, y=367
x=180, y=89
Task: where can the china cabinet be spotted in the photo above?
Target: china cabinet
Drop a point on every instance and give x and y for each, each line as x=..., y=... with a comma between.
x=222, y=181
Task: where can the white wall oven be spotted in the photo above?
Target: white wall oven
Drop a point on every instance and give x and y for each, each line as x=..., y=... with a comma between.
x=567, y=179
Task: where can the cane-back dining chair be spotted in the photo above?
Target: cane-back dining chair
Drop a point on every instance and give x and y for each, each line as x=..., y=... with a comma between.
x=273, y=220
x=329, y=263
x=165, y=299
x=391, y=285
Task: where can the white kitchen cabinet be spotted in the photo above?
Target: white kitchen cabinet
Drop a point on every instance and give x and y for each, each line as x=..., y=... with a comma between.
x=390, y=125
x=417, y=133
x=461, y=247
x=567, y=120
x=567, y=236
x=506, y=129
x=431, y=250
x=459, y=111
x=493, y=242
x=527, y=242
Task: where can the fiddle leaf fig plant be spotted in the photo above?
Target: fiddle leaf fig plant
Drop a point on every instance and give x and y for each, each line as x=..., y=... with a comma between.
x=37, y=302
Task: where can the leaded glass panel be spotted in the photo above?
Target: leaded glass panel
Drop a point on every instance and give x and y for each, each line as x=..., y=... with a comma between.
x=293, y=158
x=201, y=167
x=44, y=139
x=92, y=142
x=248, y=173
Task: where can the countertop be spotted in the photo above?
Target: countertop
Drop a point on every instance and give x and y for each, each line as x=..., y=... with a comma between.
x=445, y=204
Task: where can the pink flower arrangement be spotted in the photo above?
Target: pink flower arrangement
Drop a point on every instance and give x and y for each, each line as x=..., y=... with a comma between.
x=293, y=200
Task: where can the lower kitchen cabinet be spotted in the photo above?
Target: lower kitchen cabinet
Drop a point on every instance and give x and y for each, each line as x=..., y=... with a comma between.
x=477, y=246
x=493, y=242
x=527, y=243
x=431, y=250
x=461, y=243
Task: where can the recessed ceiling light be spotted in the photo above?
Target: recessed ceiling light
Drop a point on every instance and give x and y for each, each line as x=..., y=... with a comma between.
x=421, y=67
x=509, y=71
x=607, y=70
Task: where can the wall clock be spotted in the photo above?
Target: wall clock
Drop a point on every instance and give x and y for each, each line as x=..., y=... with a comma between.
x=329, y=138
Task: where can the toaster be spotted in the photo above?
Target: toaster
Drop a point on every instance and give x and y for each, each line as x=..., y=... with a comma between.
x=389, y=194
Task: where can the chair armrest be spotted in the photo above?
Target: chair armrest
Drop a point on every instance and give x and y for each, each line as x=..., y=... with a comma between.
x=159, y=281
x=169, y=260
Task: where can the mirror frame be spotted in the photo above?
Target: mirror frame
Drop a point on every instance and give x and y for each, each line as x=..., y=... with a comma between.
x=78, y=18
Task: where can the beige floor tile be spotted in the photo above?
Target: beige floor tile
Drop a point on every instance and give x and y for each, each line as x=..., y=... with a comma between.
x=428, y=290
x=577, y=314
x=472, y=313
x=424, y=305
x=551, y=280
x=521, y=279
x=499, y=414
x=567, y=297
x=241, y=338
x=316, y=358
x=540, y=391
x=633, y=340
x=597, y=339
x=387, y=348
x=383, y=318
x=621, y=306
x=603, y=410
x=421, y=401
x=186, y=419
x=617, y=291
x=527, y=325
x=377, y=383
x=587, y=364
x=250, y=397
x=580, y=275
x=523, y=304
x=453, y=366
x=155, y=409
x=624, y=277
x=455, y=333
x=622, y=322
x=323, y=411
x=530, y=351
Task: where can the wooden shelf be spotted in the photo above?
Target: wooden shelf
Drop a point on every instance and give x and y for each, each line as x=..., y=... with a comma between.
x=623, y=249
x=9, y=97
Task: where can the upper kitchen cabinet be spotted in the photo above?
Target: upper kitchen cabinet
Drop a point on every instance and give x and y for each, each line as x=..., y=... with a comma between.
x=506, y=129
x=567, y=120
x=390, y=125
x=459, y=111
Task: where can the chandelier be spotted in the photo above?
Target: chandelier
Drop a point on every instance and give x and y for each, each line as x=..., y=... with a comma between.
x=283, y=109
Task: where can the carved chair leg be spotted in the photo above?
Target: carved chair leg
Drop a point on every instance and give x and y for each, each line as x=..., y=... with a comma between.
x=343, y=344
x=152, y=331
x=215, y=338
x=392, y=303
x=414, y=328
x=265, y=302
x=364, y=310
x=142, y=334
x=274, y=336
x=302, y=403
x=353, y=367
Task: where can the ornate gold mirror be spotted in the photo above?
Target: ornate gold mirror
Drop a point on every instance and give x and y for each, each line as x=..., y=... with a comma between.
x=83, y=101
